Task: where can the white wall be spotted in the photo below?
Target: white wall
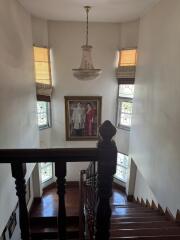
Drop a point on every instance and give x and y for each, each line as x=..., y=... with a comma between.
x=142, y=189
x=65, y=40
x=18, y=127
x=155, y=136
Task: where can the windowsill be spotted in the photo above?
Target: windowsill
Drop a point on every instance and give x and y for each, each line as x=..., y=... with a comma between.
x=119, y=182
x=121, y=127
x=45, y=181
x=45, y=127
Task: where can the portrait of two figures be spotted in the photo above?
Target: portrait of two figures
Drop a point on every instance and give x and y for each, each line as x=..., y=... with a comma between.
x=83, y=117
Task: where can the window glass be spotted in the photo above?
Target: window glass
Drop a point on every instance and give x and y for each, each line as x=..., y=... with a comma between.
x=122, y=167
x=43, y=114
x=124, y=113
x=126, y=90
x=46, y=171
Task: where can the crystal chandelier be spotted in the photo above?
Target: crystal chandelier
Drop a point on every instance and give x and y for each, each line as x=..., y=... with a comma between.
x=86, y=71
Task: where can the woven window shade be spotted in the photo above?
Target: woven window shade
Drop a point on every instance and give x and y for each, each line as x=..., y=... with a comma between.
x=127, y=57
x=42, y=65
x=127, y=64
x=126, y=81
x=43, y=98
x=42, y=73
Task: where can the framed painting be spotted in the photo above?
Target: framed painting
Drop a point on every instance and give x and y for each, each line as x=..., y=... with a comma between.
x=83, y=117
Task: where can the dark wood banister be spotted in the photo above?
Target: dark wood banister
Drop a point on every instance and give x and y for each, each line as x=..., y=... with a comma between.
x=105, y=154
x=48, y=155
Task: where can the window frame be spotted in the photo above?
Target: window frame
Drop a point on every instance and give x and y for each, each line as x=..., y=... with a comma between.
x=49, y=116
x=128, y=78
x=119, y=112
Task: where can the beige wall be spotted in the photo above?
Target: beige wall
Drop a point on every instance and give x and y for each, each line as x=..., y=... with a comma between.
x=18, y=127
x=155, y=134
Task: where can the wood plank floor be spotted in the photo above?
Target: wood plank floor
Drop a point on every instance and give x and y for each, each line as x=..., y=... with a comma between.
x=48, y=205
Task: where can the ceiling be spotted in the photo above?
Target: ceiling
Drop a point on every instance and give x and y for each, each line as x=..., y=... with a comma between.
x=103, y=10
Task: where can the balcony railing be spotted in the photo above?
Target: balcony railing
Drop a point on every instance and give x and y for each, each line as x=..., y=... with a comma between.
x=105, y=155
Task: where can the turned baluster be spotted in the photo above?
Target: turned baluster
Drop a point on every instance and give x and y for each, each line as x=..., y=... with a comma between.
x=60, y=172
x=19, y=172
x=107, y=160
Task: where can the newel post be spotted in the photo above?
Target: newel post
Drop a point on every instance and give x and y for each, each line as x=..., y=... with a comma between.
x=107, y=160
x=60, y=172
x=19, y=172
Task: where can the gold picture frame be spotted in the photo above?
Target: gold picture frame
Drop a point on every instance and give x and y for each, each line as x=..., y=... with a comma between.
x=82, y=117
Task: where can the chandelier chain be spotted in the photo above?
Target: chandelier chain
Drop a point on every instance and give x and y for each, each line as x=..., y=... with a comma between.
x=87, y=21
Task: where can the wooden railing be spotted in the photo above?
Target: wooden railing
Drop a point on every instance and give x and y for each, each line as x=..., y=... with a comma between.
x=88, y=181
x=105, y=154
x=96, y=187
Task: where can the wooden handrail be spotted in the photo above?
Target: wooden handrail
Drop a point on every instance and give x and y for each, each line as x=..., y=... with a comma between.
x=48, y=155
x=105, y=154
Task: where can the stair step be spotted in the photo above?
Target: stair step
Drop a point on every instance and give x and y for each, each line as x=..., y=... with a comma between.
x=134, y=205
x=51, y=221
x=141, y=209
x=116, y=212
x=133, y=225
x=167, y=237
x=145, y=232
x=52, y=233
x=137, y=219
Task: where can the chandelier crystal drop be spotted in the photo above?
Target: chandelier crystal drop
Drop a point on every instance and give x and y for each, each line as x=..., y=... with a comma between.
x=86, y=71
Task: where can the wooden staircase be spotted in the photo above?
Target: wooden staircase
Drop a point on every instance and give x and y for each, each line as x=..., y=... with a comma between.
x=134, y=221
x=46, y=228
x=44, y=213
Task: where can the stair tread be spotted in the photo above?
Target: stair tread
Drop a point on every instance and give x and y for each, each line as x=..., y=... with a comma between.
x=136, y=219
x=146, y=232
x=140, y=224
x=168, y=237
x=52, y=229
x=135, y=214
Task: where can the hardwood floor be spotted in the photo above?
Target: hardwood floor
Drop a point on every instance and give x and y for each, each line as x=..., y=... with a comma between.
x=48, y=206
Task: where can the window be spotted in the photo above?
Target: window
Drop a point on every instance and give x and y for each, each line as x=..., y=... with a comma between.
x=126, y=77
x=42, y=68
x=125, y=104
x=42, y=65
x=46, y=172
x=122, y=167
x=43, y=113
